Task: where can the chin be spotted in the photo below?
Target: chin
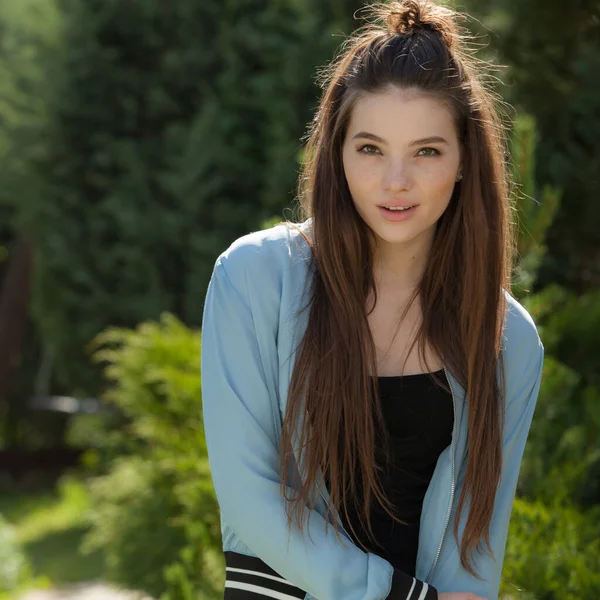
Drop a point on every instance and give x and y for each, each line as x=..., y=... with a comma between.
x=399, y=238
x=402, y=232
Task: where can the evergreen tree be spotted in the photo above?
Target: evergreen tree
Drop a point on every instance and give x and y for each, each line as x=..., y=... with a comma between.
x=553, y=54
x=172, y=129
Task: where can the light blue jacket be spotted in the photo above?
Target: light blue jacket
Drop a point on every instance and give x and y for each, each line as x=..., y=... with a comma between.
x=249, y=339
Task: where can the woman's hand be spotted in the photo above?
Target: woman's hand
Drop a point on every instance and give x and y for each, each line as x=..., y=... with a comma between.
x=459, y=596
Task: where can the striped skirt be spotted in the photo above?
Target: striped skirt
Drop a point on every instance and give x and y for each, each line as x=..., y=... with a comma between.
x=249, y=578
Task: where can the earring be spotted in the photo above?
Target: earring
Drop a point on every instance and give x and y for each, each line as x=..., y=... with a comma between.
x=459, y=177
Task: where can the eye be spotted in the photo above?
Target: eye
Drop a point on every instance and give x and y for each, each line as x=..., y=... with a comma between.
x=437, y=152
x=360, y=150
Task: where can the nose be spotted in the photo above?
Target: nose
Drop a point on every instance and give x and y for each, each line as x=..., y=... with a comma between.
x=396, y=176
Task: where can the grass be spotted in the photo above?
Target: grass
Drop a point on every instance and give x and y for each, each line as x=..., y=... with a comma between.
x=49, y=526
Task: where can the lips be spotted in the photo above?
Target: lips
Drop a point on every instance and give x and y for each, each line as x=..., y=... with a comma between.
x=397, y=215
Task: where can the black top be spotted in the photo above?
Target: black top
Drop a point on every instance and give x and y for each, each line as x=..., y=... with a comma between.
x=419, y=416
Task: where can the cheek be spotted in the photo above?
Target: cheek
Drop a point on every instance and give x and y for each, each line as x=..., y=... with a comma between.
x=352, y=174
x=440, y=180
x=439, y=172
x=446, y=180
x=359, y=175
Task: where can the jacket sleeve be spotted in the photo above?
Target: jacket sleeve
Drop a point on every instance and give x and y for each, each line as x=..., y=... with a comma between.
x=522, y=394
x=239, y=365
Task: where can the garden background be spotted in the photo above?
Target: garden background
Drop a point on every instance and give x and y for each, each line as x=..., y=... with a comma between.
x=138, y=139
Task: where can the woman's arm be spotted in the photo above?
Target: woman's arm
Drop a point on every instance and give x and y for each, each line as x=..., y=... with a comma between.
x=239, y=378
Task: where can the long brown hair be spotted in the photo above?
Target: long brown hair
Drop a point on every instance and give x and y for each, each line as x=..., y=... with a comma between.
x=461, y=291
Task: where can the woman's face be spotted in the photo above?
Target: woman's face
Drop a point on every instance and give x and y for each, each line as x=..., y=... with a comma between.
x=401, y=167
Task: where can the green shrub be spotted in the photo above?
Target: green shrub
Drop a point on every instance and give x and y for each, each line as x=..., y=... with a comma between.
x=14, y=569
x=132, y=521
x=553, y=552
x=16, y=572
x=155, y=513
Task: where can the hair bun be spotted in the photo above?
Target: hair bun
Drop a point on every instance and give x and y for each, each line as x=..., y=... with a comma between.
x=410, y=16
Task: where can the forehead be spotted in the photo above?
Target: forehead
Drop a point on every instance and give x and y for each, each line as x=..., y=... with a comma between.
x=401, y=115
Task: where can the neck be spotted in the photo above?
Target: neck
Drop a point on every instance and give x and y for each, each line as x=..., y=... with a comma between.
x=400, y=266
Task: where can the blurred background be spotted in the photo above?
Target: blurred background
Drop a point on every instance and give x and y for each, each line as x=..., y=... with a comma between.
x=138, y=139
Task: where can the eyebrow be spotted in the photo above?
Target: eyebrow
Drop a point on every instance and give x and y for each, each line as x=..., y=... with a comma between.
x=428, y=140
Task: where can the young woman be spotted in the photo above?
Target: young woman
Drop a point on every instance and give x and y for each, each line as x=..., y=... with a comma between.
x=368, y=381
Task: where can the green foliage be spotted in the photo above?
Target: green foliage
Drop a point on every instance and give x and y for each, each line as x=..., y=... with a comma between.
x=562, y=458
x=553, y=549
x=563, y=449
x=48, y=527
x=152, y=139
x=15, y=571
x=571, y=324
x=155, y=513
x=535, y=211
x=554, y=552
x=132, y=521
x=29, y=32
x=554, y=75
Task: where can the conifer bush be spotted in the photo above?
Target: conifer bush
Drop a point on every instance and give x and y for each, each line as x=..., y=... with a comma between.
x=154, y=511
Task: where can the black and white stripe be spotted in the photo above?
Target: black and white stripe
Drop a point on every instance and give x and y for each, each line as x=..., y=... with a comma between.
x=406, y=587
x=250, y=578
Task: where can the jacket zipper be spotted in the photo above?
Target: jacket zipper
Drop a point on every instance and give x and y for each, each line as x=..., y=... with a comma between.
x=452, y=488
